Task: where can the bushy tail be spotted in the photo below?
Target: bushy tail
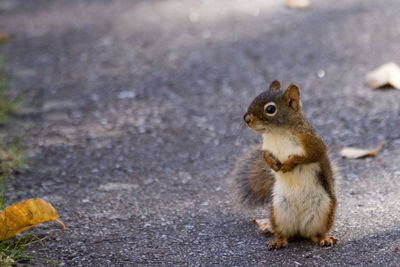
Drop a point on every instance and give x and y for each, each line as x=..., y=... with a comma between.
x=252, y=178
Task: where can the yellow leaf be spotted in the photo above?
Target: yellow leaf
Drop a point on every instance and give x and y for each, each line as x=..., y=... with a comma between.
x=25, y=214
x=357, y=153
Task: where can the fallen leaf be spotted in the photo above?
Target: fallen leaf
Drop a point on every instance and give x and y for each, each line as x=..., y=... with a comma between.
x=297, y=3
x=25, y=214
x=357, y=153
x=4, y=37
x=387, y=74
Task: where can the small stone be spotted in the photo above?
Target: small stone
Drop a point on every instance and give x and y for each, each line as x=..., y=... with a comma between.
x=351, y=176
x=94, y=97
x=321, y=73
x=126, y=95
x=148, y=181
x=184, y=175
x=189, y=226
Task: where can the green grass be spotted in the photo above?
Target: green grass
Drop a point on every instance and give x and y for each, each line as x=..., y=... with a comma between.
x=11, y=159
x=8, y=105
x=11, y=162
x=12, y=250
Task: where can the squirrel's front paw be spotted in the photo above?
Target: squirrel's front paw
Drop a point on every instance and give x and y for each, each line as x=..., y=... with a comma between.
x=289, y=164
x=271, y=161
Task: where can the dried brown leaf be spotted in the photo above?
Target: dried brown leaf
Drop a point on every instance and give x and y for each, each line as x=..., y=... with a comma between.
x=357, y=153
x=387, y=74
x=24, y=215
x=297, y=3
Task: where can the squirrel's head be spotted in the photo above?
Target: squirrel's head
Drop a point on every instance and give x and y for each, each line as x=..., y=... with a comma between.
x=274, y=109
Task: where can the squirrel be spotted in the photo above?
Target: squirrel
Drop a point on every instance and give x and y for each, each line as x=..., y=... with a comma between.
x=291, y=171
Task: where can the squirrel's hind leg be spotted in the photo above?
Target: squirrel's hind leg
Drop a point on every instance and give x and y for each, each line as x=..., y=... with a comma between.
x=278, y=243
x=324, y=241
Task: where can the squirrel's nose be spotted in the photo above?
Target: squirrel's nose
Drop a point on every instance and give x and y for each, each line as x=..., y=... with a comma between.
x=248, y=118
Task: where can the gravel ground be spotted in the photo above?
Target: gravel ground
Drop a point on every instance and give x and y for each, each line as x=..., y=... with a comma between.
x=134, y=120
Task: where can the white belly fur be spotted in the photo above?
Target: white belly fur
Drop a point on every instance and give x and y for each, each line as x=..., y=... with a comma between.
x=300, y=203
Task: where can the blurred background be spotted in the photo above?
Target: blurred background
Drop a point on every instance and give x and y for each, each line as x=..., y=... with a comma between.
x=132, y=121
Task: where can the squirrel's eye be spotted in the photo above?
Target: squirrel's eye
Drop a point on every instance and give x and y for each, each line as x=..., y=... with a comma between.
x=270, y=109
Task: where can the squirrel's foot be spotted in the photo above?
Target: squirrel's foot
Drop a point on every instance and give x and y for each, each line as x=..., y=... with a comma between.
x=271, y=161
x=325, y=241
x=277, y=244
x=264, y=226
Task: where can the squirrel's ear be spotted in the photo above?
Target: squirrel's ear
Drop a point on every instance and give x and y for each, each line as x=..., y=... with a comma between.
x=275, y=85
x=292, y=96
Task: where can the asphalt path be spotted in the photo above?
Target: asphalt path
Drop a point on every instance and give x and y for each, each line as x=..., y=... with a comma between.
x=133, y=121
